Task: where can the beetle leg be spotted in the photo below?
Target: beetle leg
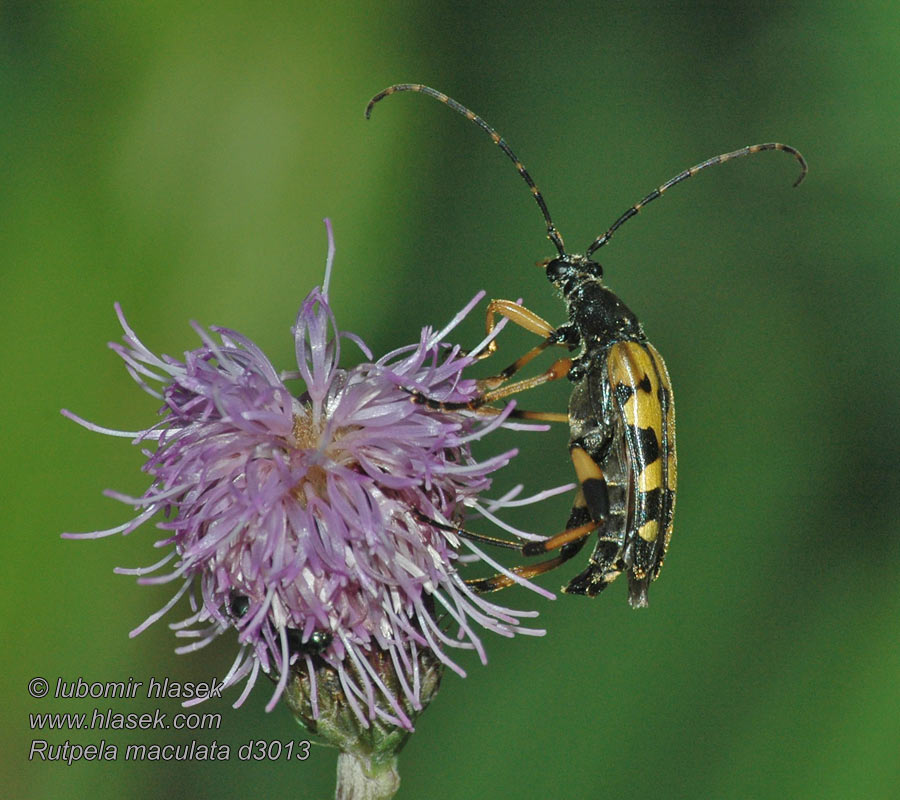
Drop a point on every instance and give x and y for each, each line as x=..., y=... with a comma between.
x=593, y=501
x=519, y=315
x=492, y=388
x=590, y=513
x=499, y=581
x=559, y=369
x=505, y=374
x=569, y=535
x=475, y=537
x=577, y=538
x=591, y=509
x=526, y=319
x=516, y=413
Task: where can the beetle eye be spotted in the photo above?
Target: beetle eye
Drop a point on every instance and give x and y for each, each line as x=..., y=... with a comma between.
x=557, y=269
x=595, y=269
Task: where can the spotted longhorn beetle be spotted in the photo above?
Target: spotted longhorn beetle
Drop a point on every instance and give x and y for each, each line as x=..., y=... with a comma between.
x=621, y=412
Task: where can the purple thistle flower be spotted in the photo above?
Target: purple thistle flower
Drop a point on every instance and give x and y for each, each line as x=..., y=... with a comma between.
x=304, y=519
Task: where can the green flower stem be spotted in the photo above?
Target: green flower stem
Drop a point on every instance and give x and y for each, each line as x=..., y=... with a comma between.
x=359, y=778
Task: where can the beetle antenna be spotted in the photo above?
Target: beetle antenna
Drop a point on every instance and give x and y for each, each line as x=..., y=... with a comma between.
x=552, y=233
x=689, y=173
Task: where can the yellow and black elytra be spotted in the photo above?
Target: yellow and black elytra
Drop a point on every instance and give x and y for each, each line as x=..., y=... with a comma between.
x=621, y=412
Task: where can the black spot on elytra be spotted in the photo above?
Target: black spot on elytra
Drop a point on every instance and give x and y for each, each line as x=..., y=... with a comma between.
x=648, y=444
x=649, y=507
x=623, y=393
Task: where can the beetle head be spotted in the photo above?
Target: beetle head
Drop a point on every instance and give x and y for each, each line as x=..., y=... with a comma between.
x=571, y=270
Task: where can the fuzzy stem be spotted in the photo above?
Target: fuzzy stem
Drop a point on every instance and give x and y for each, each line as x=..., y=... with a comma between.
x=359, y=778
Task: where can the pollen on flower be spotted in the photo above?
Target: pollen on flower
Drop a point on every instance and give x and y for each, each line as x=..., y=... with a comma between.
x=306, y=436
x=319, y=522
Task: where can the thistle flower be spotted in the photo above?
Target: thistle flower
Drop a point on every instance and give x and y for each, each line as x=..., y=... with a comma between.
x=319, y=522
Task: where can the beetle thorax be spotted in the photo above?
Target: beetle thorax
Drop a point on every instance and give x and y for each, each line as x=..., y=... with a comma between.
x=596, y=312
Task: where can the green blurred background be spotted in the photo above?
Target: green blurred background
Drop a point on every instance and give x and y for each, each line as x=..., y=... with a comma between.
x=179, y=158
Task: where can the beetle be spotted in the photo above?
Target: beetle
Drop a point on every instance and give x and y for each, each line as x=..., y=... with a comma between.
x=621, y=412
x=315, y=644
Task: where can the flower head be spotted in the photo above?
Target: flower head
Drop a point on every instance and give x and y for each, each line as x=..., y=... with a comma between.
x=317, y=521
